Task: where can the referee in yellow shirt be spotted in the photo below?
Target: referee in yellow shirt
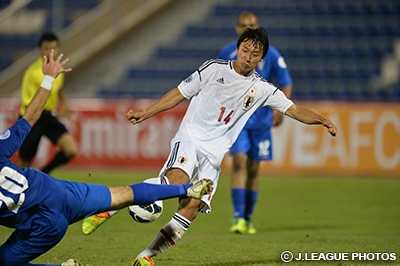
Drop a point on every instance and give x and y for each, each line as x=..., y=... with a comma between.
x=48, y=124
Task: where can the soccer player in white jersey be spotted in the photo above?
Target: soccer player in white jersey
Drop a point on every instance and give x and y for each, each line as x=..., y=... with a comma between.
x=254, y=144
x=223, y=95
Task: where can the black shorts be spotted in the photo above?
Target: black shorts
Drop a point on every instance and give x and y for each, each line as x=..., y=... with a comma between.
x=47, y=125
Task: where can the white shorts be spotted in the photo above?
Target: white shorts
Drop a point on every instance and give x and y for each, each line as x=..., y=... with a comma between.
x=186, y=156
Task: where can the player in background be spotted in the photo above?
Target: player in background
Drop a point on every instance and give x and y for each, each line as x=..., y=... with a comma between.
x=223, y=95
x=254, y=143
x=48, y=124
x=40, y=207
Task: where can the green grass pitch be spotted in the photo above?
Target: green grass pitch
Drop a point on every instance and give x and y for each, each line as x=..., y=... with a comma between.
x=296, y=213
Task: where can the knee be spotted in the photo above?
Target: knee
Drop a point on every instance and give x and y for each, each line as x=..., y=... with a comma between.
x=70, y=153
x=177, y=176
x=68, y=145
x=238, y=162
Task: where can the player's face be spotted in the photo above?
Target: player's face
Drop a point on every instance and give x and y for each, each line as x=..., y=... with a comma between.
x=249, y=55
x=46, y=47
x=246, y=21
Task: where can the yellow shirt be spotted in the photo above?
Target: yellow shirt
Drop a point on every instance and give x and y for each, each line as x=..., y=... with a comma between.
x=31, y=81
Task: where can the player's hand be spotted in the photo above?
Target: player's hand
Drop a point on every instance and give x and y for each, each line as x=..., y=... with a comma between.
x=135, y=116
x=331, y=127
x=53, y=67
x=66, y=114
x=277, y=118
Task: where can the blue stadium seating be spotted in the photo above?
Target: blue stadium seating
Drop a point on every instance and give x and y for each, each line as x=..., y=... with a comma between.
x=332, y=47
x=4, y=3
x=16, y=44
x=74, y=4
x=5, y=62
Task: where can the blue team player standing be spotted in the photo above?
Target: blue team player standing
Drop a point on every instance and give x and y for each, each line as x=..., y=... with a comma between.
x=40, y=207
x=254, y=143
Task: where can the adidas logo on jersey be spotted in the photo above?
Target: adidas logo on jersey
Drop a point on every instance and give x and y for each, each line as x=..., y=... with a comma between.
x=221, y=80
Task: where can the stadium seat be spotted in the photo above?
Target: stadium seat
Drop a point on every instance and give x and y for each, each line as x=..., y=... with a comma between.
x=332, y=47
x=18, y=44
x=4, y=3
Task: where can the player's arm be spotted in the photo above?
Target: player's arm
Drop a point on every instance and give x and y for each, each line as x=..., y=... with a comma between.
x=277, y=118
x=168, y=101
x=64, y=110
x=50, y=69
x=309, y=117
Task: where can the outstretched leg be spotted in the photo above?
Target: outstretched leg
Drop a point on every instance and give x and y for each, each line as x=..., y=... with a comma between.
x=145, y=193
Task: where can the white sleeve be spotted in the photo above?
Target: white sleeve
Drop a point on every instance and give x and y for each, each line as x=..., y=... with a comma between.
x=191, y=85
x=278, y=101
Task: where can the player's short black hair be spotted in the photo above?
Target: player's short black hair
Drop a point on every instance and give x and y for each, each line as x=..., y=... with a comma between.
x=258, y=36
x=47, y=36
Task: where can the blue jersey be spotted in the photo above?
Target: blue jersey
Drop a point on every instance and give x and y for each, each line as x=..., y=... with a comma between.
x=37, y=205
x=273, y=65
x=25, y=191
x=21, y=190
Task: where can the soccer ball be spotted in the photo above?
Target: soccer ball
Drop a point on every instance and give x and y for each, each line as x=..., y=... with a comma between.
x=146, y=213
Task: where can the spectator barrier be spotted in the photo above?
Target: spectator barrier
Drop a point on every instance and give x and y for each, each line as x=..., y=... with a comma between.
x=368, y=140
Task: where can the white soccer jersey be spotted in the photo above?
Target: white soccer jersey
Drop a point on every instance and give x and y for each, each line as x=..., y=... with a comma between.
x=221, y=103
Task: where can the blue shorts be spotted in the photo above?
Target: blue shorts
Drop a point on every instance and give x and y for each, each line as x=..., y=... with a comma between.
x=49, y=221
x=257, y=144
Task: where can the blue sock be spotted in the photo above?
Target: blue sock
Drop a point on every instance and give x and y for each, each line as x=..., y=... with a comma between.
x=238, y=201
x=251, y=200
x=145, y=193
